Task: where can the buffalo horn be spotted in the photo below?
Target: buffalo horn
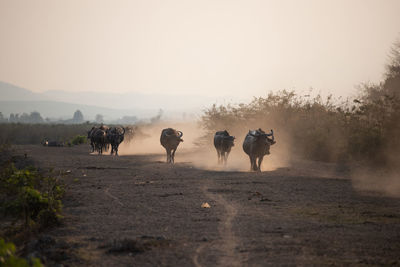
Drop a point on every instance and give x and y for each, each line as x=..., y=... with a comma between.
x=272, y=135
x=123, y=129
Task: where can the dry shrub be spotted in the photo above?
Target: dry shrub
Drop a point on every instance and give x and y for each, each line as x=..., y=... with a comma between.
x=309, y=127
x=364, y=130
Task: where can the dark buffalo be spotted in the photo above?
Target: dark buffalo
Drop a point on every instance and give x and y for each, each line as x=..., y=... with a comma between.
x=104, y=127
x=107, y=143
x=115, y=136
x=90, y=137
x=257, y=144
x=99, y=139
x=53, y=143
x=170, y=139
x=223, y=143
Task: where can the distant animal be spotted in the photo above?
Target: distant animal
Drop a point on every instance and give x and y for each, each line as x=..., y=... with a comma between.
x=90, y=137
x=52, y=143
x=107, y=143
x=223, y=143
x=170, y=139
x=115, y=136
x=256, y=144
x=104, y=127
x=99, y=139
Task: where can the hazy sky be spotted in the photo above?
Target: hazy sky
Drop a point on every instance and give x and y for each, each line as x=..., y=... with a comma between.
x=231, y=47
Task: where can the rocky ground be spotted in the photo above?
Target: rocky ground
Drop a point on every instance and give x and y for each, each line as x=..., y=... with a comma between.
x=136, y=210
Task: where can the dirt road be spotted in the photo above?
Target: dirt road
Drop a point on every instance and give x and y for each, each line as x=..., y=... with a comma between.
x=139, y=211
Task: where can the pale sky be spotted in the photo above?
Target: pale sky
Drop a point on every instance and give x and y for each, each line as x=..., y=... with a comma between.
x=208, y=47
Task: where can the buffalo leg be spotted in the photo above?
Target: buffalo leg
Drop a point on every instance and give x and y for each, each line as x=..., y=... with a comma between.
x=251, y=164
x=223, y=157
x=168, y=155
x=219, y=156
x=255, y=164
x=173, y=155
x=252, y=160
x=226, y=157
x=260, y=159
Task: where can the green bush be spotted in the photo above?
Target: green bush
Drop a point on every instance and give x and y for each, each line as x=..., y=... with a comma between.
x=28, y=195
x=79, y=139
x=9, y=259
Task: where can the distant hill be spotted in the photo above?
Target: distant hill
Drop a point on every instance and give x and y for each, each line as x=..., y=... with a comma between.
x=134, y=100
x=61, y=104
x=9, y=92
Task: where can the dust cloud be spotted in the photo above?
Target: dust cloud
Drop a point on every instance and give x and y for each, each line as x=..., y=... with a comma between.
x=386, y=182
x=377, y=177
x=203, y=155
x=206, y=158
x=148, y=141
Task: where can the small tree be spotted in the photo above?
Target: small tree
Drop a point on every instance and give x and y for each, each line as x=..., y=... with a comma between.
x=2, y=118
x=14, y=117
x=24, y=118
x=78, y=117
x=35, y=117
x=99, y=118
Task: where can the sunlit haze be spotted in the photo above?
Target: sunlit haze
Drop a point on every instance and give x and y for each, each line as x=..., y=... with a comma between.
x=222, y=48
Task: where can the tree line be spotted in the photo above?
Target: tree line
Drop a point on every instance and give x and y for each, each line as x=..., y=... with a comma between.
x=35, y=118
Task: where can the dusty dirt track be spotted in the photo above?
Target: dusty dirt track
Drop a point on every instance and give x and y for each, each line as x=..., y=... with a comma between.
x=272, y=218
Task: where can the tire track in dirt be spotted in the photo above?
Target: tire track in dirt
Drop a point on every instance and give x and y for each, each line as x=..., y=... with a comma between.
x=197, y=254
x=113, y=197
x=228, y=243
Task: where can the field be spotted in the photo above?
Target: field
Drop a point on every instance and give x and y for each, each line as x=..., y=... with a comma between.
x=136, y=210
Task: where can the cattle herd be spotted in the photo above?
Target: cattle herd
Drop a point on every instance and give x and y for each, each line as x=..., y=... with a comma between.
x=101, y=138
x=256, y=144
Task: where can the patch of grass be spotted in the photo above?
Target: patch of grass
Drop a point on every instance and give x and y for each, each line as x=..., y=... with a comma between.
x=30, y=202
x=30, y=196
x=79, y=139
x=9, y=259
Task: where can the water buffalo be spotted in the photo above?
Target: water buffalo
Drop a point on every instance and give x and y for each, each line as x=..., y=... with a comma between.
x=52, y=143
x=99, y=140
x=107, y=143
x=90, y=137
x=223, y=143
x=257, y=144
x=115, y=136
x=104, y=127
x=170, y=139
